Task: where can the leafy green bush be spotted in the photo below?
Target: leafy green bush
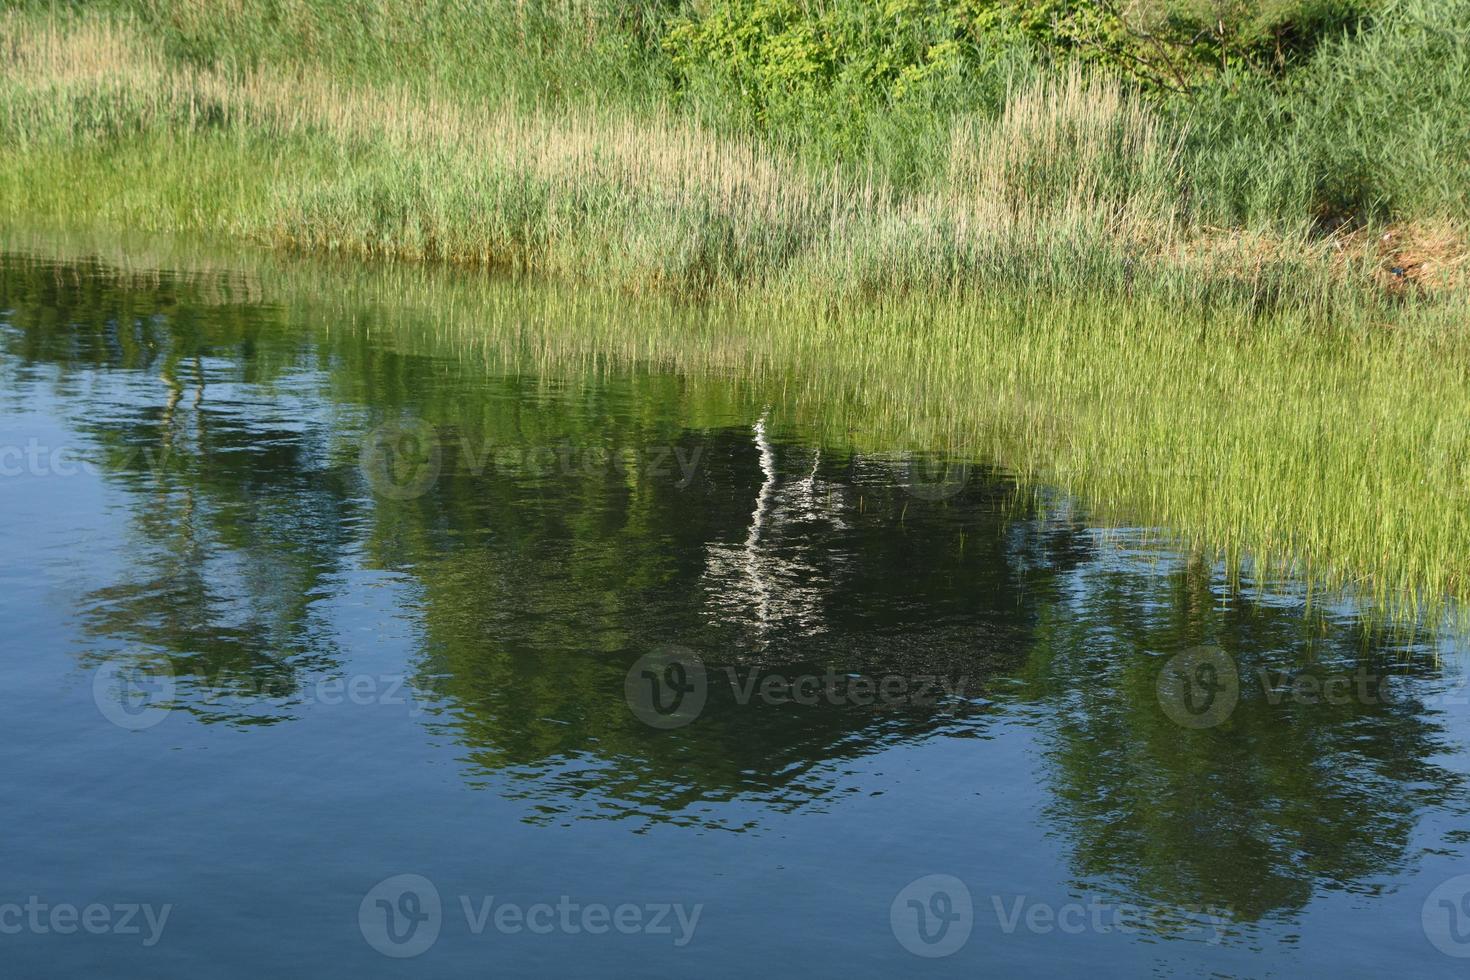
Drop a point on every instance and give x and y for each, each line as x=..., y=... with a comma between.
x=781, y=58
x=880, y=82
x=830, y=69
x=1181, y=44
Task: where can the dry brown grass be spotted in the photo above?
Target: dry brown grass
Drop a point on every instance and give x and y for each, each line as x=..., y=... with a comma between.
x=1076, y=144
x=1423, y=256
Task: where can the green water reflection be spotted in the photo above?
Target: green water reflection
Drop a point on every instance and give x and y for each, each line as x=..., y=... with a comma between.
x=576, y=519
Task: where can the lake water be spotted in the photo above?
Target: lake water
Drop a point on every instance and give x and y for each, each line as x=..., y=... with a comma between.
x=327, y=652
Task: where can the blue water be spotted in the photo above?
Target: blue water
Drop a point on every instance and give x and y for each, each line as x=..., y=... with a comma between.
x=319, y=651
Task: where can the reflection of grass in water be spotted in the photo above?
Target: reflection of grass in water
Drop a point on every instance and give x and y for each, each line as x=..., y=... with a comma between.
x=1338, y=450
x=1246, y=389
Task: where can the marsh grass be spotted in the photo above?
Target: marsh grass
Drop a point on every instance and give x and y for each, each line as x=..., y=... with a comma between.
x=1325, y=454
x=1074, y=187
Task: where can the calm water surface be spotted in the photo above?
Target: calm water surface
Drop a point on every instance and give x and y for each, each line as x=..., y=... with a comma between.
x=320, y=650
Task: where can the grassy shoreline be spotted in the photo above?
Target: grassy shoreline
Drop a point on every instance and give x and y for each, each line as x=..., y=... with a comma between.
x=1295, y=451
x=1057, y=295
x=1073, y=186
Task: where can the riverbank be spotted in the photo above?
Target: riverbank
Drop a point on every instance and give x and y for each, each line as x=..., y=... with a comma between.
x=1295, y=452
x=1074, y=185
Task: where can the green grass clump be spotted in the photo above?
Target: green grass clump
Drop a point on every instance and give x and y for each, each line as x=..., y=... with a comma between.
x=1375, y=127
